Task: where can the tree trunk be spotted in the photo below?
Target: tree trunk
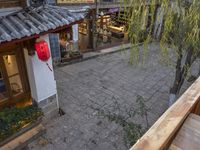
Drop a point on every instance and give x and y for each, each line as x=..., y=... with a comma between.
x=173, y=89
x=181, y=73
x=199, y=71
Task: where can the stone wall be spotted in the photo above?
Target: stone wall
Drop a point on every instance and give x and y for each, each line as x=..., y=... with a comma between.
x=49, y=107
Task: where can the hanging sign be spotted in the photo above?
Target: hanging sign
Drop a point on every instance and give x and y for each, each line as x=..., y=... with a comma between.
x=113, y=10
x=74, y=1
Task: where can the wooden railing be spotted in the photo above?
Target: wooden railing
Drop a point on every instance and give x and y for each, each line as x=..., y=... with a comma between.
x=163, y=132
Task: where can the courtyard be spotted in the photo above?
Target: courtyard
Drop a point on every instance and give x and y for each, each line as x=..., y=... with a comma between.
x=99, y=83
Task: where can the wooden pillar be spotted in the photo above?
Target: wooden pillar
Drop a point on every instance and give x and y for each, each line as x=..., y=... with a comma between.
x=92, y=29
x=90, y=33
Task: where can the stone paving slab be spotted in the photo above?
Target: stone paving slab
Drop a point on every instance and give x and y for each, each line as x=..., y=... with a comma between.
x=101, y=82
x=94, y=54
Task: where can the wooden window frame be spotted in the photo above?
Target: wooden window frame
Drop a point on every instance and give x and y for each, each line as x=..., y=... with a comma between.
x=17, y=51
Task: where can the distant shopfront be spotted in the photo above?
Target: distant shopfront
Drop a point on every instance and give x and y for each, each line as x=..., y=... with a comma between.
x=98, y=31
x=106, y=29
x=71, y=42
x=111, y=28
x=65, y=45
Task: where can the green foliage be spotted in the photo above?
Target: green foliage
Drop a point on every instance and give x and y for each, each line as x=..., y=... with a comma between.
x=13, y=119
x=181, y=25
x=180, y=33
x=125, y=117
x=132, y=132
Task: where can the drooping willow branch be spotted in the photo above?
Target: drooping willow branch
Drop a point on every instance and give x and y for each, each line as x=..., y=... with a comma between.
x=181, y=25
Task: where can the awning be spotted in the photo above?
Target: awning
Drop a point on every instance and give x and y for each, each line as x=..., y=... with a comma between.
x=31, y=20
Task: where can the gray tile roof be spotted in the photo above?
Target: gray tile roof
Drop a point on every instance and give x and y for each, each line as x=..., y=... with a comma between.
x=30, y=21
x=7, y=11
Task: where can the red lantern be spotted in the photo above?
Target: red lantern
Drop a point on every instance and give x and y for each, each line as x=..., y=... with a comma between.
x=42, y=50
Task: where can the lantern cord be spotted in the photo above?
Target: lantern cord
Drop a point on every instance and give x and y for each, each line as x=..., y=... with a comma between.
x=49, y=67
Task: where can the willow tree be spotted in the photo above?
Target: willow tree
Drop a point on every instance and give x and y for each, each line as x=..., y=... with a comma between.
x=176, y=24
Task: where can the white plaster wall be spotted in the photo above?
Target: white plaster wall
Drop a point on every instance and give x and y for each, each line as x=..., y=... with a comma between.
x=30, y=74
x=41, y=78
x=75, y=32
x=75, y=36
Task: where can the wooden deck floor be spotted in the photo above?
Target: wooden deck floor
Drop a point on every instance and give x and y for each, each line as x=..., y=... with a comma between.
x=188, y=138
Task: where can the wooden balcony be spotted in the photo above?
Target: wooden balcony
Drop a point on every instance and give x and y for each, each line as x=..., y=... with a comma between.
x=178, y=128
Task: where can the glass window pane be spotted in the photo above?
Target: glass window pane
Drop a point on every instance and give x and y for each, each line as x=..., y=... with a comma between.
x=13, y=74
x=3, y=91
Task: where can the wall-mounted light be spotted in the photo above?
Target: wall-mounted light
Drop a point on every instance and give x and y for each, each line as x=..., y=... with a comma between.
x=7, y=59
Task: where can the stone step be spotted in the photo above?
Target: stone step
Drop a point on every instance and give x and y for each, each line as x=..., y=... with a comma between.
x=51, y=114
x=49, y=107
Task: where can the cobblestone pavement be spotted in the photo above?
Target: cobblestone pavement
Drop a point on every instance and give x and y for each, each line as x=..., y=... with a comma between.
x=101, y=82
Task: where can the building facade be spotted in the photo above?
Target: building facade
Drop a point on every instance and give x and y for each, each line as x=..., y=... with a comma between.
x=26, y=71
x=104, y=27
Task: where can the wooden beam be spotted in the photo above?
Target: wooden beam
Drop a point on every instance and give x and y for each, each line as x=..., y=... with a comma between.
x=10, y=3
x=159, y=136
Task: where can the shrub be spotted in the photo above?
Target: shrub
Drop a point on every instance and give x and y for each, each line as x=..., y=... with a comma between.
x=13, y=119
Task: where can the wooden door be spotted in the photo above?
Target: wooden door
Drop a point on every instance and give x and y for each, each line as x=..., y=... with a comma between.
x=14, y=83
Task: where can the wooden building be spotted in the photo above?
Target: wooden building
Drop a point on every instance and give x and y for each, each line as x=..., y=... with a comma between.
x=24, y=78
x=101, y=28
